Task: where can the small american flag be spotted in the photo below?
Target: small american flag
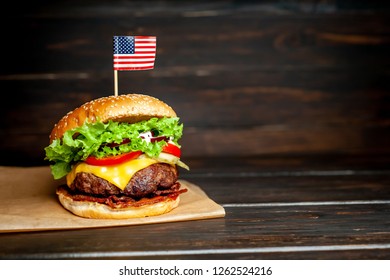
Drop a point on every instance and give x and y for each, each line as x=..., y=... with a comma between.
x=134, y=52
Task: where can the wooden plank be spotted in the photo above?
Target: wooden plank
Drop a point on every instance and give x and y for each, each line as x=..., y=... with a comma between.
x=236, y=190
x=269, y=81
x=225, y=129
x=285, y=39
x=262, y=180
x=312, y=228
x=233, y=105
x=271, y=166
x=24, y=149
x=292, y=81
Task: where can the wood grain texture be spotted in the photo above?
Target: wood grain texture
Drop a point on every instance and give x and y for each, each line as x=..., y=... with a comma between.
x=303, y=209
x=281, y=78
x=310, y=228
x=285, y=106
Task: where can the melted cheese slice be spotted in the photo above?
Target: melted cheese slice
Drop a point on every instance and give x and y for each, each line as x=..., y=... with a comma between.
x=119, y=174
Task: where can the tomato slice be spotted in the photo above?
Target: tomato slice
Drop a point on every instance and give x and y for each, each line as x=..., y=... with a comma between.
x=172, y=149
x=112, y=160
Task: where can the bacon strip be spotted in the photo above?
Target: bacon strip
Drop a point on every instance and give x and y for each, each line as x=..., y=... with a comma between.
x=115, y=201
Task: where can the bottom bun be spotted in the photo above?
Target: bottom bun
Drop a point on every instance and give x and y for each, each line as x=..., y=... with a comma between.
x=95, y=210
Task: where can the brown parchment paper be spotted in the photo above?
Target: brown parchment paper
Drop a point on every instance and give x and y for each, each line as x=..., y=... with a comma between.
x=28, y=203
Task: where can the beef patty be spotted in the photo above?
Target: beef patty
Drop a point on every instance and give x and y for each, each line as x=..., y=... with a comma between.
x=144, y=182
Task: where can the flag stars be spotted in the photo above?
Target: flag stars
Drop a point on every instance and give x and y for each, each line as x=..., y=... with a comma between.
x=124, y=45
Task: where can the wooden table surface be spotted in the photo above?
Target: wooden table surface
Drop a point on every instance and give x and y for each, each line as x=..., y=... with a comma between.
x=276, y=208
x=285, y=106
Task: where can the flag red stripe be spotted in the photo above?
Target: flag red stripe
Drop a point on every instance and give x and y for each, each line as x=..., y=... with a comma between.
x=145, y=46
x=144, y=37
x=133, y=62
x=144, y=53
x=134, y=57
x=134, y=68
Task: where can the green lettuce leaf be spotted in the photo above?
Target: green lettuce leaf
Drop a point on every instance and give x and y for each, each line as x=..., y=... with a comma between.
x=91, y=139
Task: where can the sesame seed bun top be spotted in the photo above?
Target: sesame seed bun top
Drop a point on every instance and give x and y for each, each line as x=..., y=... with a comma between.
x=129, y=108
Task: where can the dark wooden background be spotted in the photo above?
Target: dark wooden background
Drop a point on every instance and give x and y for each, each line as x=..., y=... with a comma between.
x=286, y=101
x=247, y=78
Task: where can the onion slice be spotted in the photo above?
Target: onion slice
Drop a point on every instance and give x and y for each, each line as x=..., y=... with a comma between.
x=170, y=159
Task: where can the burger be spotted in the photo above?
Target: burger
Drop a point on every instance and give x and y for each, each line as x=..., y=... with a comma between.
x=120, y=157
